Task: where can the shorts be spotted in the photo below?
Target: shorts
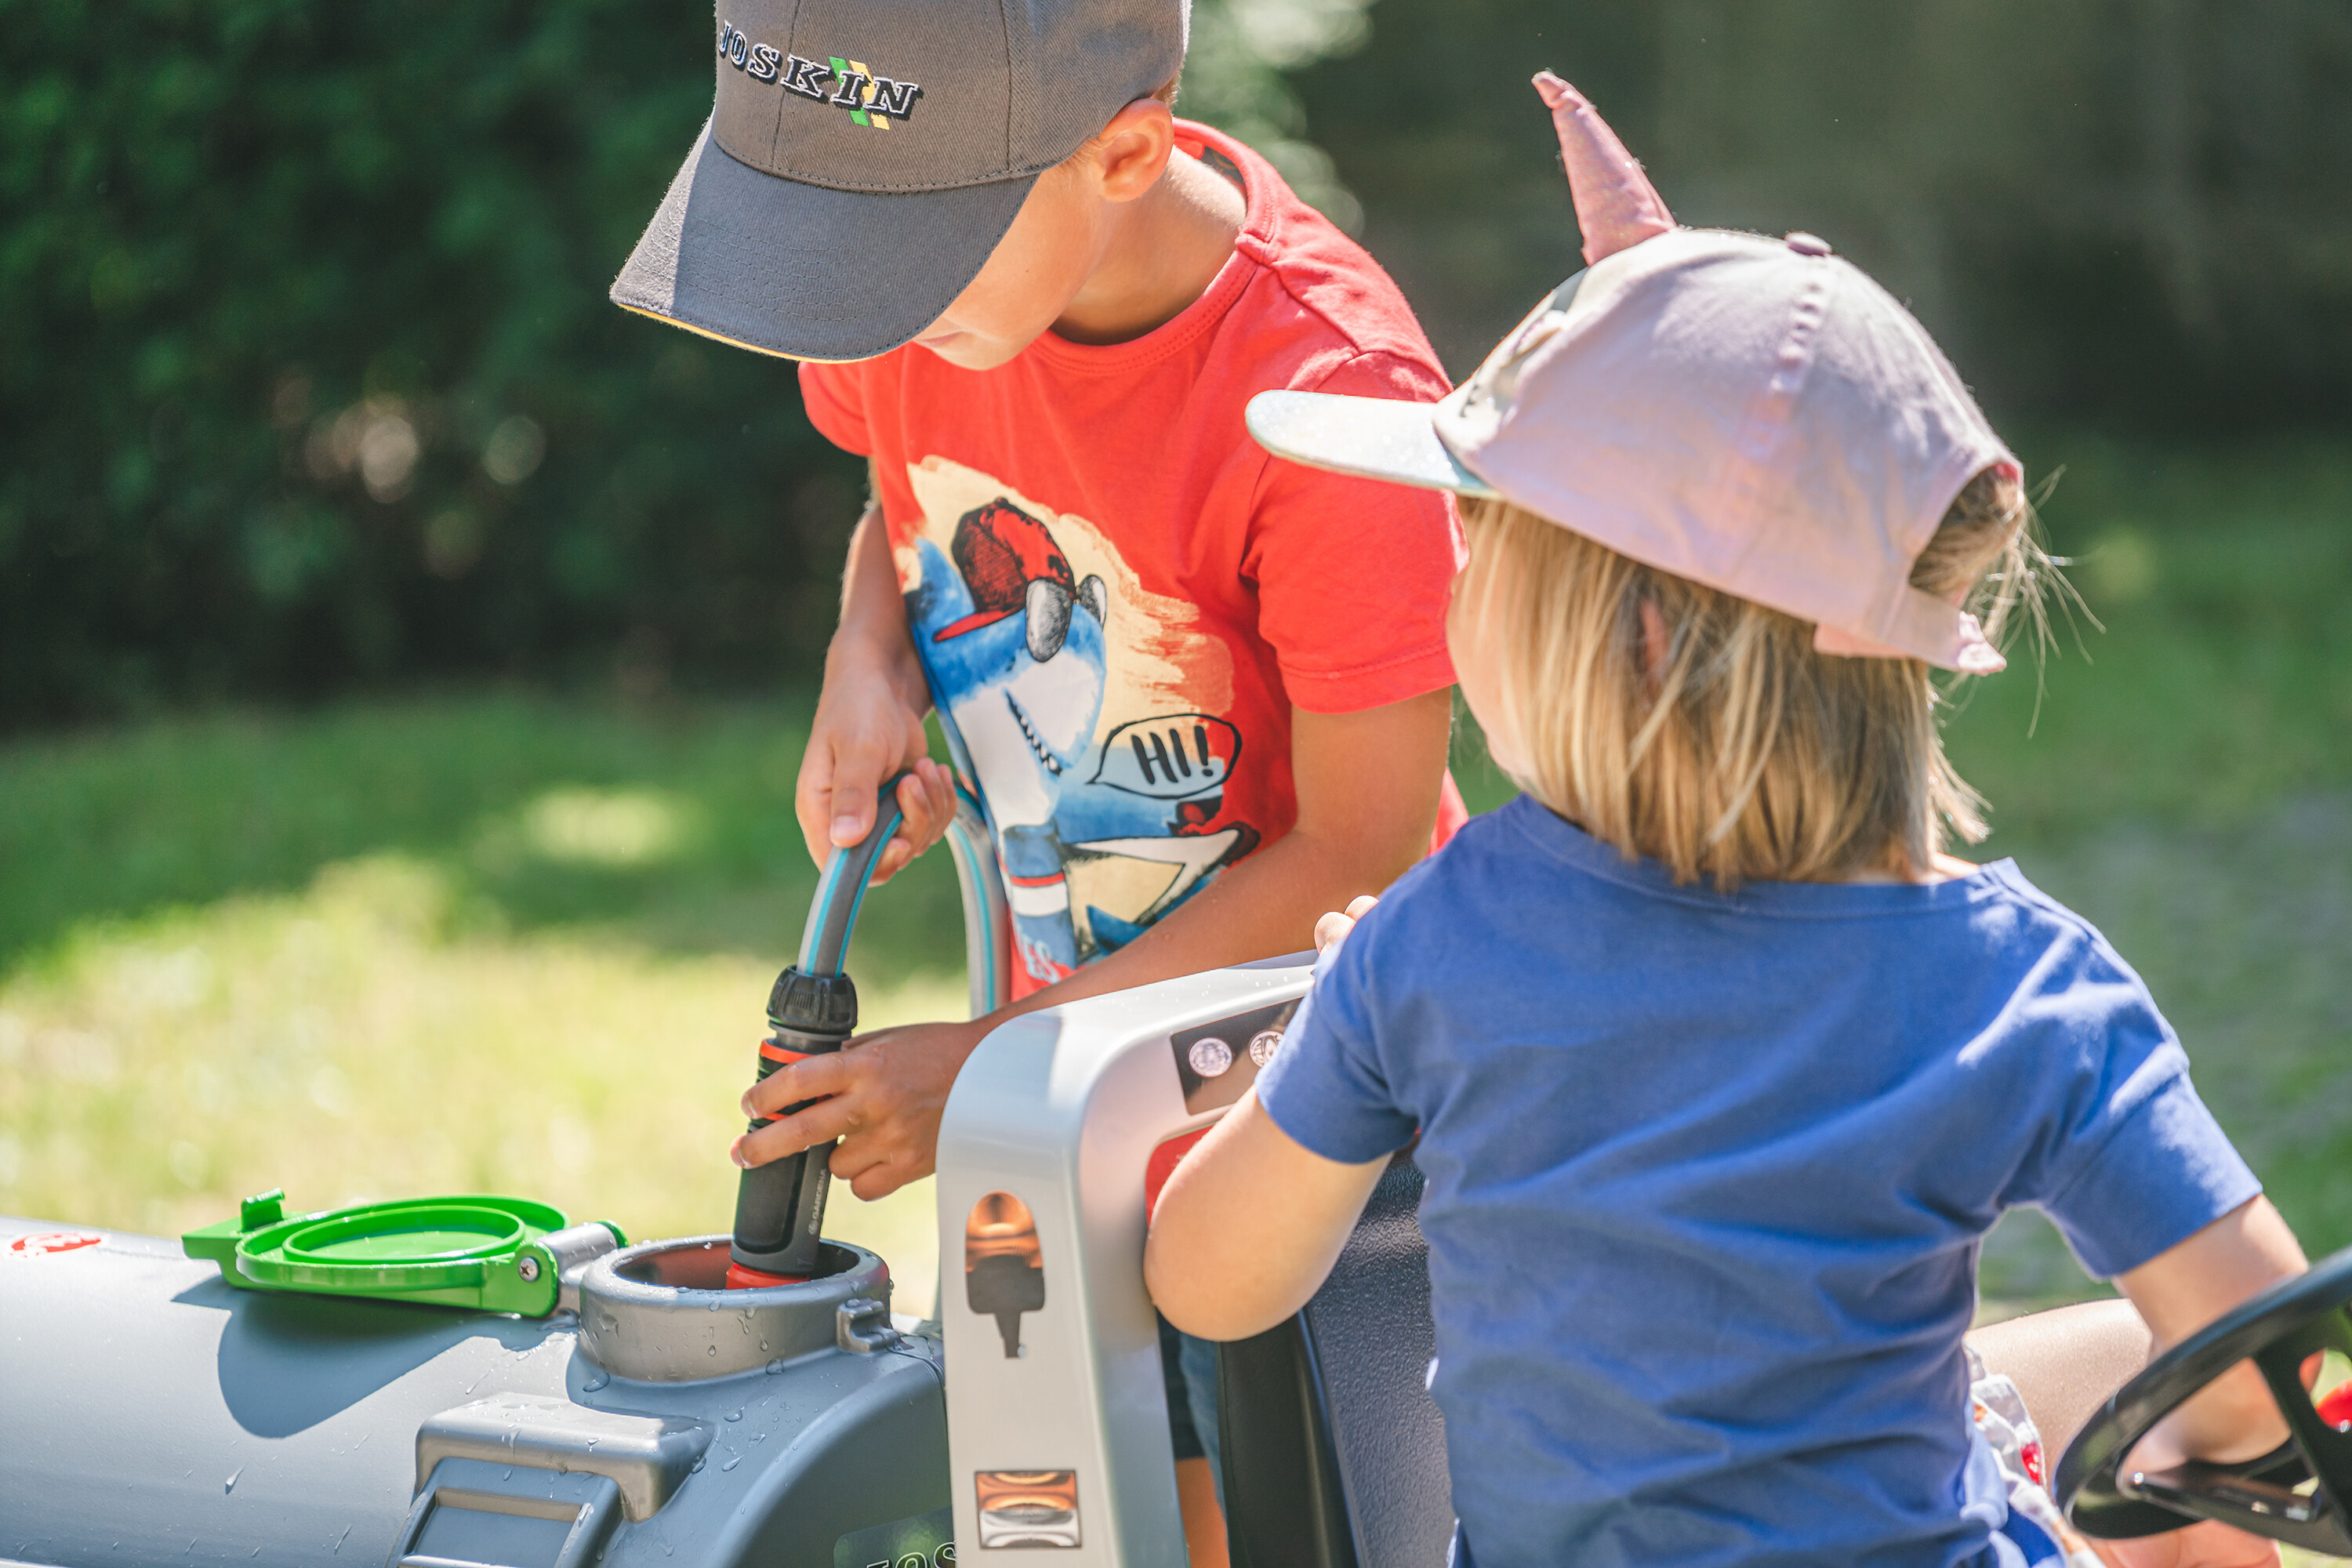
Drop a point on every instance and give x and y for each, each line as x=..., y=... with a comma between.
x=2008, y=1480
x=1189, y=1366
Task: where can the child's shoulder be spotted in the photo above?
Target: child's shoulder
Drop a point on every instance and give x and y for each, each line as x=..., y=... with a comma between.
x=1338, y=312
x=1991, y=928
x=2018, y=915
x=1477, y=871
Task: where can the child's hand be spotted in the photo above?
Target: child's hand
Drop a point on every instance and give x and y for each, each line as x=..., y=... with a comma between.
x=1333, y=928
x=864, y=732
x=881, y=1095
x=2198, y=1546
x=870, y=719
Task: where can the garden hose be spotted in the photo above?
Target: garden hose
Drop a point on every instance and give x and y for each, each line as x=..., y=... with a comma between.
x=813, y=1011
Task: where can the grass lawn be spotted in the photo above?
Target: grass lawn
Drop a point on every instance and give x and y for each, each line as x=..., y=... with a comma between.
x=505, y=941
x=481, y=944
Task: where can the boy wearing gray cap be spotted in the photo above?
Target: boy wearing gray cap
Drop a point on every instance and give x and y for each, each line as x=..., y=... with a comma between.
x=1200, y=695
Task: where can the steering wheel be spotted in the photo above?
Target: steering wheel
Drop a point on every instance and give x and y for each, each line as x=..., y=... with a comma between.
x=2278, y=1330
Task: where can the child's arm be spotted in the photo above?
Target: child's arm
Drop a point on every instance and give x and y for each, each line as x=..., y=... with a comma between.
x=2180, y=1291
x=1222, y=1263
x=1368, y=787
x=2066, y=1362
x=869, y=719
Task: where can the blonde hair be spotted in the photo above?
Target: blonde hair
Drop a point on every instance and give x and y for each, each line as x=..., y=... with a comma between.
x=1744, y=753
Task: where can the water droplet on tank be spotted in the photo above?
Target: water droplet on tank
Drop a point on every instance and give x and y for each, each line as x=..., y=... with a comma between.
x=733, y=1461
x=230, y=1485
x=700, y=1461
x=764, y=1344
x=594, y=1382
x=734, y=1415
x=710, y=1350
x=774, y=1366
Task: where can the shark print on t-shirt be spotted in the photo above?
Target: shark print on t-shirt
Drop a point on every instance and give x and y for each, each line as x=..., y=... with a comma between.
x=1064, y=687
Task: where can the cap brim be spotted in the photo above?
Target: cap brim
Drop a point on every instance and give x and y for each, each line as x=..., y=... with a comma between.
x=1370, y=437
x=805, y=271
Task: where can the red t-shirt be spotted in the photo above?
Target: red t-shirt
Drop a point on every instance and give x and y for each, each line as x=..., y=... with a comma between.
x=1118, y=595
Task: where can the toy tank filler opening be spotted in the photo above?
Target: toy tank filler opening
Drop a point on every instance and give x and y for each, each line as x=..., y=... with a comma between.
x=477, y=1382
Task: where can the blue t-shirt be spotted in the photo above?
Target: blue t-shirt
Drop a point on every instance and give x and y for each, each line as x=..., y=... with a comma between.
x=1707, y=1177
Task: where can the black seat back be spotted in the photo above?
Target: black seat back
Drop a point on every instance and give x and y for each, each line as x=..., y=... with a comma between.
x=1333, y=1453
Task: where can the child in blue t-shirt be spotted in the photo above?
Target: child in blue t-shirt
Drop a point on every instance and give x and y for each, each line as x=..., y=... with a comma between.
x=1720, y=1067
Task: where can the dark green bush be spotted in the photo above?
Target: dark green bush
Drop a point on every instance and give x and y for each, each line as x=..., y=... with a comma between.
x=307, y=375
x=308, y=380
x=2126, y=212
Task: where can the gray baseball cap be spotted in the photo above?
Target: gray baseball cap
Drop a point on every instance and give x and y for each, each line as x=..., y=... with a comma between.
x=864, y=158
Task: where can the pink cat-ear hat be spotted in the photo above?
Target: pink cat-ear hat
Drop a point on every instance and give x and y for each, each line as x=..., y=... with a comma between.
x=1756, y=414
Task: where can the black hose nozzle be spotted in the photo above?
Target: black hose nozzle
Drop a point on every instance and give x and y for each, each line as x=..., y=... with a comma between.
x=779, y=1207
x=811, y=1012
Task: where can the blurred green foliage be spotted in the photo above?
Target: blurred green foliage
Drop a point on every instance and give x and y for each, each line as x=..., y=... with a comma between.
x=2128, y=211
x=2207, y=674
x=308, y=383
x=307, y=375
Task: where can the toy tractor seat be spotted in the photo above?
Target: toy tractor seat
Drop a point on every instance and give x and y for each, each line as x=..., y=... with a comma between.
x=1333, y=1453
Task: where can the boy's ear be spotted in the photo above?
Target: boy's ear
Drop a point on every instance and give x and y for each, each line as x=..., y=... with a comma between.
x=1132, y=151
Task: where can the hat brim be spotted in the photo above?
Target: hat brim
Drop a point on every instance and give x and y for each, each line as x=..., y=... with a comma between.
x=1370, y=437
x=804, y=271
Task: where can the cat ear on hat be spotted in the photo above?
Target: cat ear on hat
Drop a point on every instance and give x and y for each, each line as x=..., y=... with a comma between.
x=1616, y=205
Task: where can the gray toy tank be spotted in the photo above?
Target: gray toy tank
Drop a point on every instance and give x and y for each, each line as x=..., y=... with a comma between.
x=150, y=1413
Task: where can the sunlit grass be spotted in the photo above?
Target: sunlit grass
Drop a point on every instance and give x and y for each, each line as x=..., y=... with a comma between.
x=353, y=1040
x=673, y=827
x=616, y=828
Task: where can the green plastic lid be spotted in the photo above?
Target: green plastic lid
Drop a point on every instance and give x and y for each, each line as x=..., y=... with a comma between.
x=478, y=1251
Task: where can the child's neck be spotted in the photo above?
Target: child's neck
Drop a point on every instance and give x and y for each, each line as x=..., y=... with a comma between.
x=1165, y=248
x=1944, y=868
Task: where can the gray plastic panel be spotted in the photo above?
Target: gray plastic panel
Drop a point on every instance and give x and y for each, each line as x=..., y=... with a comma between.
x=647, y=1457
x=473, y=1512
x=1062, y=1109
